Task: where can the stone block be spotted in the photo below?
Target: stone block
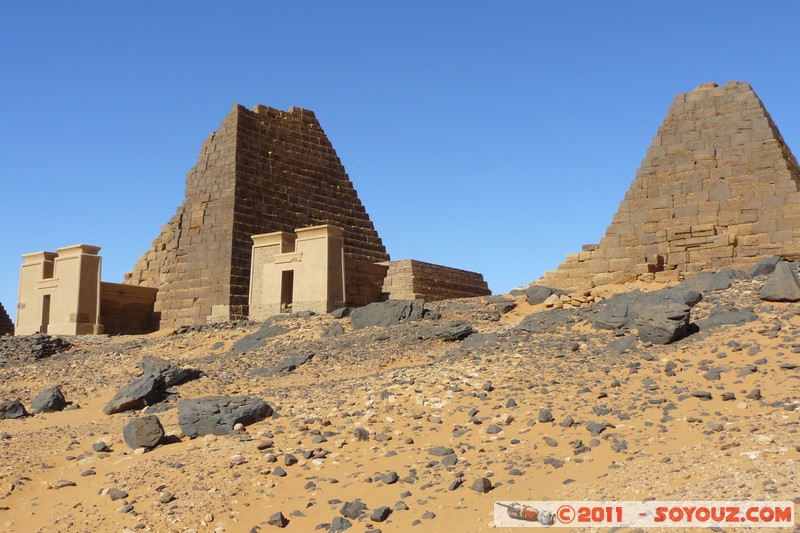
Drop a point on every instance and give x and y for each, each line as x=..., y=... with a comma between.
x=780, y=235
x=619, y=264
x=719, y=192
x=661, y=202
x=667, y=276
x=597, y=266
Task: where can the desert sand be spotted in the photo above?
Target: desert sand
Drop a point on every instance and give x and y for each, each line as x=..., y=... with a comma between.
x=486, y=397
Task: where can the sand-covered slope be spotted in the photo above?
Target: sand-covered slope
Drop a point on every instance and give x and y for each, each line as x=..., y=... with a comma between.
x=564, y=412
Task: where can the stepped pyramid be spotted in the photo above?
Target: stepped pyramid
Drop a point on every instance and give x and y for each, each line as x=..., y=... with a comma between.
x=262, y=171
x=6, y=325
x=718, y=187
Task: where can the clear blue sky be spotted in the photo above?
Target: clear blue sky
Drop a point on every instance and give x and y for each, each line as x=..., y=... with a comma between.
x=491, y=136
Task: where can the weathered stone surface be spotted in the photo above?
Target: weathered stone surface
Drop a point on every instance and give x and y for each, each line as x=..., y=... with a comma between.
x=142, y=391
x=725, y=314
x=269, y=329
x=353, y=509
x=537, y=294
x=662, y=324
x=482, y=485
x=620, y=311
x=6, y=325
x=782, y=285
x=712, y=281
x=33, y=347
x=411, y=279
x=454, y=331
x=342, y=312
x=546, y=321
x=216, y=415
x=12, y=409
x=262, y=171
x=144, y=432
x=387, y=313
x=49, y=400
x=150, y=387
x=502, y=304
x=765, y=266
x=717, y=188
x=278, y=520
x=620, y=346
x=614, y=313
x=171, y=374
x=292, y=362
x=334, y=330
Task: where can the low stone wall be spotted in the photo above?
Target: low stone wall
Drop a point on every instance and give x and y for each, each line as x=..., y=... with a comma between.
x=127, y=309
x=6, y=325
x=411, y=279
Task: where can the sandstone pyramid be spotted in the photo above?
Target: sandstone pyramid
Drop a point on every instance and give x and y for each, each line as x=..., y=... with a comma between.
x=718, y=187
x=263, y=170
x=6, y=325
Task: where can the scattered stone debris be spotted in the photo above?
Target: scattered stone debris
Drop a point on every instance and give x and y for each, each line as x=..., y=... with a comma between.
x=32, y=347
x=411, y=428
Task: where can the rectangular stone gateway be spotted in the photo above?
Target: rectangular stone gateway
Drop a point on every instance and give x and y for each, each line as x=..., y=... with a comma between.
x=301, y=271
x=60, y=293
x=262, y=171
x=718, y=187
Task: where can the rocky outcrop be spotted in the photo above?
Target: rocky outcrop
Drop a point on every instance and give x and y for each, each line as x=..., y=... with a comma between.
x=662, y=324
x=12, y=409
x=387, y=313
x=151, y=386
x=216, y=415
x=49, y=400
x=620, y=311
x=782, y=285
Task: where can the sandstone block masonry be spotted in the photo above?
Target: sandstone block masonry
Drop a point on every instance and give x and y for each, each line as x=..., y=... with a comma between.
x=718, y=187
x=262, y=171
x=410, y=279
x=6, y=325
x=61, y=293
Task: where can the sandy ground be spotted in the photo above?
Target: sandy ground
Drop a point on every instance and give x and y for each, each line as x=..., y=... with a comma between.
x=410, y=396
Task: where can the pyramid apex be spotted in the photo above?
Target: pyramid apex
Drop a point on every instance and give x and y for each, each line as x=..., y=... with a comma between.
x=703, y=86
x=728, y=85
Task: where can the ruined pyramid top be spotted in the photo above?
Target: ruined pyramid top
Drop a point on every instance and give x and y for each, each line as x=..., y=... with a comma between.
x=717, y=187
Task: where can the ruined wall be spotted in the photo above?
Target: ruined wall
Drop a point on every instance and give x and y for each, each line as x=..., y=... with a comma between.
x=127, y=310
x=410, y=279
x=6, y=325
x=364, y=282
x=264, y=170
x=718, y=187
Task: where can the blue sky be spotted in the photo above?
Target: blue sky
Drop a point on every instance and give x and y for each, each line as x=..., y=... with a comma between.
x=490, y=136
